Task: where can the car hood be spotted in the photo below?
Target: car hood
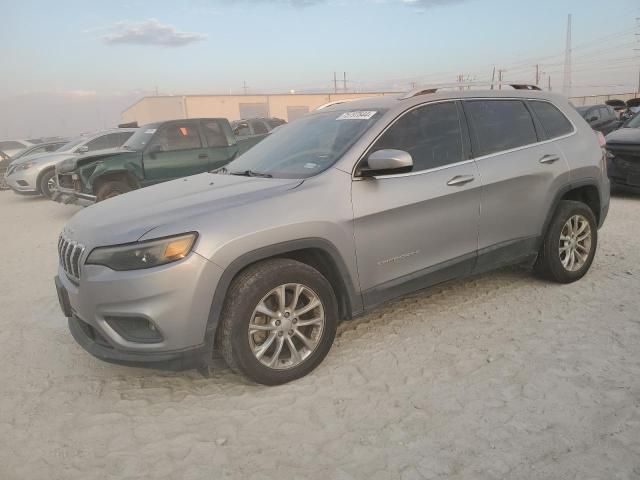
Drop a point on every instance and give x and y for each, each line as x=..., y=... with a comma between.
x=624, y=136
x=72, y=163
x=129, y=217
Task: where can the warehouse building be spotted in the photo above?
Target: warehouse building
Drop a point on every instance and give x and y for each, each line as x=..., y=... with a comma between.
x=234, y=107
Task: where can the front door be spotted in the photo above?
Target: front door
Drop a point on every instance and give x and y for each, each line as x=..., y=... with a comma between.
x=175, y=151
x=418, y=228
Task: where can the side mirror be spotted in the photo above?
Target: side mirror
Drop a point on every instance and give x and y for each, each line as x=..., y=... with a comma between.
x=82, y=149
x=387, y=162
x=153, y=149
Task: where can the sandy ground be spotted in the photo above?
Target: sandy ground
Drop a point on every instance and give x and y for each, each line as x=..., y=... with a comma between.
x=497, y=376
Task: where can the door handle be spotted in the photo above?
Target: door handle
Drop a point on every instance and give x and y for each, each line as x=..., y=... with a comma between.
x=549, y=159
x=459, y=180
x=203, y=155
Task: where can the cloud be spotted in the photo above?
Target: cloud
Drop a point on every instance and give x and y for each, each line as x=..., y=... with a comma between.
x=427, y=4
x=150, y=32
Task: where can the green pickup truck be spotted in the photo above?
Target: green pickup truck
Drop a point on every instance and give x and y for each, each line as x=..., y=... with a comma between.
x=156, y=153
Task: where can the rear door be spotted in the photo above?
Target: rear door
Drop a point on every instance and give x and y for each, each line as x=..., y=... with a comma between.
x=521, y=171
x=176, y=150
x=418, y=228
x=221, y=145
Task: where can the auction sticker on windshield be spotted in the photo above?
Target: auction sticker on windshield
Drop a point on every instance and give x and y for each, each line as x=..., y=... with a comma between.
x=363, y=115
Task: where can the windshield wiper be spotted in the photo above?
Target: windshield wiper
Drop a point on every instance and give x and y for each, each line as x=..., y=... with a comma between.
x=251, y=173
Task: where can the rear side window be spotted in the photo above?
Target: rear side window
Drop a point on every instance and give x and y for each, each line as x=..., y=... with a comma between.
x=553, y=121
x=431, y=134
x=214, y=135
x=500, y=125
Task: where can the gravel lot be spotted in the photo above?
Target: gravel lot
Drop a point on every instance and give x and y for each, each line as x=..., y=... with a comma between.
x=497, y=376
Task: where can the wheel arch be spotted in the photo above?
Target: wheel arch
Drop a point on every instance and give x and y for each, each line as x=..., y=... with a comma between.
x=587, y=192
x=42, y=174
x=315, y=252
x=114, y=175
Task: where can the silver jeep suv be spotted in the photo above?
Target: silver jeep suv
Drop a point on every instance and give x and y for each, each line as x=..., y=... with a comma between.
x=330, y=216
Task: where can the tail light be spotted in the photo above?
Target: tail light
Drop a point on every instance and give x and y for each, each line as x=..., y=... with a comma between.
x=605, y=155
x=601, y=140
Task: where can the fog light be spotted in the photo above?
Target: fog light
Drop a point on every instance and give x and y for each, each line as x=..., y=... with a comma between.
x=135, y=329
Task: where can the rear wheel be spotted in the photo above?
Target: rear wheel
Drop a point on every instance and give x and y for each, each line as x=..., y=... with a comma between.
x=279, y=321
x=47, y=183
x=112, y=188
x=570, y=243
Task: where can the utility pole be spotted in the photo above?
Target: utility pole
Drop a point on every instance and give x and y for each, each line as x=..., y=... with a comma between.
x=344, y=82
x=413, y=85
x=244, y=87
x=566, y=87
x=335, y=83
x=500, y=72
x=549, y=79
x=493, y=76
x=537, y=74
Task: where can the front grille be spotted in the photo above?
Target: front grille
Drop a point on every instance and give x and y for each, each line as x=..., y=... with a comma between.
x=70, y=254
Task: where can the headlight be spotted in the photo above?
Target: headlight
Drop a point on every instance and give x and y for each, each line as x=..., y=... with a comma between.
x=152, y=253
x=23, y=166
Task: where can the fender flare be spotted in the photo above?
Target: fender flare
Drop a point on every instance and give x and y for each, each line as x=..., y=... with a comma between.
x=98, y=175
x=590, y=182
x=354, y=298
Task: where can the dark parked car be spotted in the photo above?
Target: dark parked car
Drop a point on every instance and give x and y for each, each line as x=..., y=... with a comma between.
x=4, y=164
x=602, y=118
x=623, y=156
x=255, y=126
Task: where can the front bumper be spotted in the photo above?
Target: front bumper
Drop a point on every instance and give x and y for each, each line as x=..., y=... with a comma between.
x=71, y=196
x=175, y=299
x=23, y=181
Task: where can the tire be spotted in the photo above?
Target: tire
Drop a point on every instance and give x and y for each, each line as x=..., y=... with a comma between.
x=112, y=188
x=255, y=285
x=553, y=263
x=46, y=183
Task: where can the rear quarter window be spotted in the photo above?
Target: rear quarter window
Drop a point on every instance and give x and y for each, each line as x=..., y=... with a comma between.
x=499, y=125
x=553, y=121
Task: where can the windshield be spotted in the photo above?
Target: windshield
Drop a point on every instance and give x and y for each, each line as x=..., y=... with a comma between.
x=307, y=146
x=583, y=110
x=140, y=139
x=67, y=147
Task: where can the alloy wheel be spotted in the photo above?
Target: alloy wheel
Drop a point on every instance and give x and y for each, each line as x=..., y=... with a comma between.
x=575, y=243
x=286, y=326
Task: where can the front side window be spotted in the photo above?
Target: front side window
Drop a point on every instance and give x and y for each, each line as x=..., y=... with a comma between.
x=432, y=135
x=553, y=121
x=307, y=146
x=100, y=143
x=176, y=136
x=499, y=125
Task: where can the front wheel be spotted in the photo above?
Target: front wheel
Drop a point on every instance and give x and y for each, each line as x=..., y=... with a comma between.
x=111, y=188
x=47, y=183
x=279, y=321
x=570, y=243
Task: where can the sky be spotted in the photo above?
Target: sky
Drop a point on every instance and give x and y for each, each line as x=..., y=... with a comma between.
x=72, y=66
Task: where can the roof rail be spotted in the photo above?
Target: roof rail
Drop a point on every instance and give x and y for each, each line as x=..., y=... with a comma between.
x=430, y=89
